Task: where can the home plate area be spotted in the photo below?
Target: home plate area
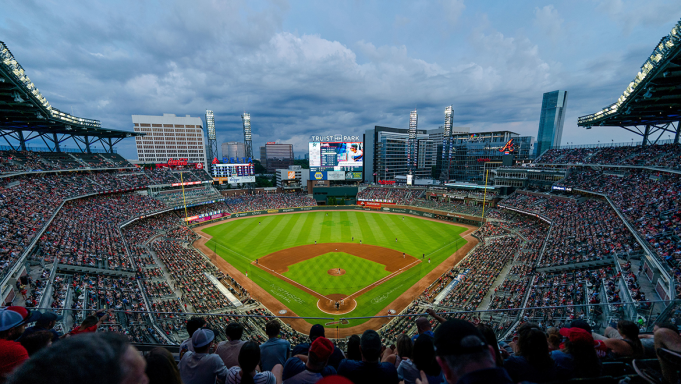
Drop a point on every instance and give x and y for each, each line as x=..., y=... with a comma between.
x=336, y=273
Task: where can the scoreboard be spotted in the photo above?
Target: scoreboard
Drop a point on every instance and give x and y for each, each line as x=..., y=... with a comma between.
x=234, y=173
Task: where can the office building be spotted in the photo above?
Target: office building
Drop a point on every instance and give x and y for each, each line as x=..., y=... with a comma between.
x=476, y=153
x=233, y=149
x=170, y=137
x=293, y=177
x=275, y=156
x=386, y=149
x=551, y=121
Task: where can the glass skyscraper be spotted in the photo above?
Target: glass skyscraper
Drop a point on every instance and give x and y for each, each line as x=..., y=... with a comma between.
x=551, y=121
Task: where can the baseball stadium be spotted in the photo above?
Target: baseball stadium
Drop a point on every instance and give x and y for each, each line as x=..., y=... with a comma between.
x=581, y=236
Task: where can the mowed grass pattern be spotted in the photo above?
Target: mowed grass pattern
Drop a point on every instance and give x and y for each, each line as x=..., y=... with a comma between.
x=241, y=241
x=359, y=273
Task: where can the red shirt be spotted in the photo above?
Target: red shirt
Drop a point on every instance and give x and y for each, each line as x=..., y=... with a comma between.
x=89, y=329
x=12, y=355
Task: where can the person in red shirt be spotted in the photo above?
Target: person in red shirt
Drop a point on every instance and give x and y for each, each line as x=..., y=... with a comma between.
x=92, y=322
x=13, y=321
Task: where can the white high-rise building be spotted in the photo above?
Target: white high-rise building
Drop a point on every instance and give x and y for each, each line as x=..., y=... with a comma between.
x=170, y=137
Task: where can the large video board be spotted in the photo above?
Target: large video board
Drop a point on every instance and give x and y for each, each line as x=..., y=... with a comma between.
x=336, y=156
x=234, y=173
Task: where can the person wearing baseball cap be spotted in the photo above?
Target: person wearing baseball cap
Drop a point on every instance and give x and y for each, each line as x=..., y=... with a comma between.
x=311, y=368
x=370, y=370
x=46, y=322
x=13, y=321
x=577, y=354
x=316, y=331
x=464, y=355
x=201, y=367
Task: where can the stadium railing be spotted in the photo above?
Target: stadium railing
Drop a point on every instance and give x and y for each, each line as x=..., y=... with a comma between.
x=504, y=321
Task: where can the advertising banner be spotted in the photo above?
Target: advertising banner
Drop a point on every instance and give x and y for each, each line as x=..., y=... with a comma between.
x=335, y=175
x=239, y=179
x=353, y=175
x=185, y=183
x=318, y=175
x=291, y=175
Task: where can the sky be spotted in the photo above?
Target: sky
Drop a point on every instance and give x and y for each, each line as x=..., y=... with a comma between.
x=304, y=68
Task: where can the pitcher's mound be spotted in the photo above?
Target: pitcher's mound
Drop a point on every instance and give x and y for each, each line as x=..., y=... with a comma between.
x=336, y=272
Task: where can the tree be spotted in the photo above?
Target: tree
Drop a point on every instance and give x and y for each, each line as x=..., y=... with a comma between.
x=304, y=163
x=258, y=168
x=262, y=182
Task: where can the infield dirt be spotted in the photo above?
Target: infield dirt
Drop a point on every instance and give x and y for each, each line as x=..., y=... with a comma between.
x=303, y=326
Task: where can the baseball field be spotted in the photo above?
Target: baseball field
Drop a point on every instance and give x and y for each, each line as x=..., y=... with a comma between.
x=334, y=264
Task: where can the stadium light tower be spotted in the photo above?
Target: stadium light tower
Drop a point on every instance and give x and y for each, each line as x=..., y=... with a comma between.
x=411, y=142
x=212, y=140
x=246, y=119
x=447, y=144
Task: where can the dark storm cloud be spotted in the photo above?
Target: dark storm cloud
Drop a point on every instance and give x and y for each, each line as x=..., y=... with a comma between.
x=109, y=60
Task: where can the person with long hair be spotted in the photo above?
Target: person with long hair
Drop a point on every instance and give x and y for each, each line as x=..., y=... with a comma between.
x=424, y=359
x=161, y=367
x=554, y=338
x=623, y=341
x=577, y=355
x=406, y=369
x=532, y=361
x=246, y=372
x=491, y=339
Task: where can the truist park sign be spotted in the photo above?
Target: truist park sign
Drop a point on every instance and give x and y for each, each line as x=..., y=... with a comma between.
x=335, y=138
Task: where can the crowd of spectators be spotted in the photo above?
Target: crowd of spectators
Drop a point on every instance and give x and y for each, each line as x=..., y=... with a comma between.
x=85, y=232
x=400, y=196
x=29, y=161
x=649, y=202
x=456, y=206
x=666, y=156
x=582, y=231
x=188, y=273
x=256, y=202
x=429, y=348
x=480, y=269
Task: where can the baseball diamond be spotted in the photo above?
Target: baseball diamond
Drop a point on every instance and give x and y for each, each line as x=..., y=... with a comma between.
x=378, y=268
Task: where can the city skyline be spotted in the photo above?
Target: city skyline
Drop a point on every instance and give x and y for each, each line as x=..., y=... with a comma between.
x=305, y=67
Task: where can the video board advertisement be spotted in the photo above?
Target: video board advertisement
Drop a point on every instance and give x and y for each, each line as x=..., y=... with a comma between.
x=234, y=173
x=336, y=156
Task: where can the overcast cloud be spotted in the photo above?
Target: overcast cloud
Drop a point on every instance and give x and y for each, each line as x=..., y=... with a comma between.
x=311, y=67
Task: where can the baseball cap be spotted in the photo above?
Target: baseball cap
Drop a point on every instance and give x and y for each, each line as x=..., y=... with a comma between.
x=9, y=319
x=448, y=337
x=577, y=334
x=370, y=342
x=316, y=331
x=322, y=347
x=47, y=317
x=202, y=337
x=579, y=323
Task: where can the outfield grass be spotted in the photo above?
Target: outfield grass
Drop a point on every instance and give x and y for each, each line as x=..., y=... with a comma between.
x=359, y=273
x=241, y=241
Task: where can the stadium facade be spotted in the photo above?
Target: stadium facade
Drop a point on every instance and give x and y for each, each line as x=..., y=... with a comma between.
x=475, y=153
x=551, y=121
x=170, y=137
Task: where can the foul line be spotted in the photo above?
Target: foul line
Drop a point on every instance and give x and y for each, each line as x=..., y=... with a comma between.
x=293, y=282
x=390, y=276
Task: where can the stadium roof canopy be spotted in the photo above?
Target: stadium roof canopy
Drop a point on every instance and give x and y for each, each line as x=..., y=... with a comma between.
x=25, y=114
x=652, y=101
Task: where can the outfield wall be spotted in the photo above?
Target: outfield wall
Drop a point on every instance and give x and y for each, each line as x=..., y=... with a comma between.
x=404, y=209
